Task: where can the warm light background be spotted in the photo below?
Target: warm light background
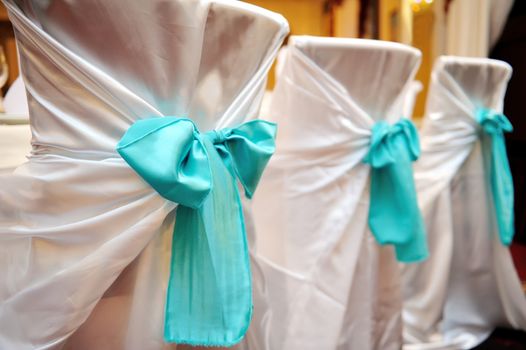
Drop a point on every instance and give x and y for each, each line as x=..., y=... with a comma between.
x=398, y=20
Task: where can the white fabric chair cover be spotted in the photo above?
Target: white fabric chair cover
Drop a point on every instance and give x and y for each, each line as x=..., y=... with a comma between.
x=468, y=286
x=329, y=284
x=84, y=242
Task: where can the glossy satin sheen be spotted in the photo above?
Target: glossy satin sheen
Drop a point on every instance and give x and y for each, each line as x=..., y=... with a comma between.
x=329, y=284
x=496, y=160
x=394, y=216
x=209, y=299
x=76, y=214
x=468, y=285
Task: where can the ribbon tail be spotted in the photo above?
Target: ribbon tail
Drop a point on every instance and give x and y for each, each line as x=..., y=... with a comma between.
x=394, y=215
x=209, y=298
x=502, y=188
x=415, y=250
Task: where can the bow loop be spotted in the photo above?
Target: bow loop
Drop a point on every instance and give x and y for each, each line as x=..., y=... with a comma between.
x=169, y=156
x=388, y=141
x=493, y=122
x=246, y=151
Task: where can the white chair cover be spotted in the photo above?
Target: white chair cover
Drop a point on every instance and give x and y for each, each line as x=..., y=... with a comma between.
x=468, y=286
x=84, y=242
x=329, y=284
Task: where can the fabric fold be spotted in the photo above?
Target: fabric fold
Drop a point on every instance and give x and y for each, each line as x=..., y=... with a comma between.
x=209, y=299
x=394, y=216
x=494, y=125
x=329, y=284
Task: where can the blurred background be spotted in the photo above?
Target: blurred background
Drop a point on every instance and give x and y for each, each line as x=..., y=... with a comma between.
x=476, y=28
x=436, y=27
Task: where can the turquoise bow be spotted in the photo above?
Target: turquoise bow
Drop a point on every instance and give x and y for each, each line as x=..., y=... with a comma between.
x=496, y=160
x=209, y=297
x=394, y=216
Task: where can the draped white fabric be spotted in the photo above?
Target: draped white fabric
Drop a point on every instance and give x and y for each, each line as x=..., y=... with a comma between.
x=468, y=286
x=328, y=283
x=84, y=242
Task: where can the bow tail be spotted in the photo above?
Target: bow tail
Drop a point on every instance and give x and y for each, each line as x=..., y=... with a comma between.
x=414, y=250
x=501, y=187
x=394, y=215
x=209, y=299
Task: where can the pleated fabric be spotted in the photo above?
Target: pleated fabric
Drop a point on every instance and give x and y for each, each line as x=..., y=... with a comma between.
x=469, y=285
x=85, y=243
x=329, y=284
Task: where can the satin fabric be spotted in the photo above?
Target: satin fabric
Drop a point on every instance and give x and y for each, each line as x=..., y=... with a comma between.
x=329, y=284
x=209, y=298
x=394, y=216
x=469, y=285
x=84, y=241
x=494, y=125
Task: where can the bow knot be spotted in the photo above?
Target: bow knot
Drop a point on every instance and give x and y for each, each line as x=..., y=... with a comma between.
x=493, y=122
x=394, y=216
x=209, y=297
x=218, y=136
x=388, y=141
x=170, y=154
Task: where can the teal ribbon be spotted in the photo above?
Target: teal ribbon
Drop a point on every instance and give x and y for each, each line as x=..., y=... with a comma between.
x=394, y=216
x=209, y=297
x=494, y=125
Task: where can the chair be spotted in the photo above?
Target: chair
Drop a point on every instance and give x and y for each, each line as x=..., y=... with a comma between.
x=84, y=240
x=329, y=284
x=468, y=286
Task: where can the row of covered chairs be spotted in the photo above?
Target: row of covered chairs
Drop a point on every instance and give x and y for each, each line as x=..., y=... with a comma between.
x=123, y=230
x=332, y=283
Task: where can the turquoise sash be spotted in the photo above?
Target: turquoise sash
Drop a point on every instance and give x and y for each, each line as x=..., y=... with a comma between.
x=394, y=216
x=209, y=297
x=496, y=162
